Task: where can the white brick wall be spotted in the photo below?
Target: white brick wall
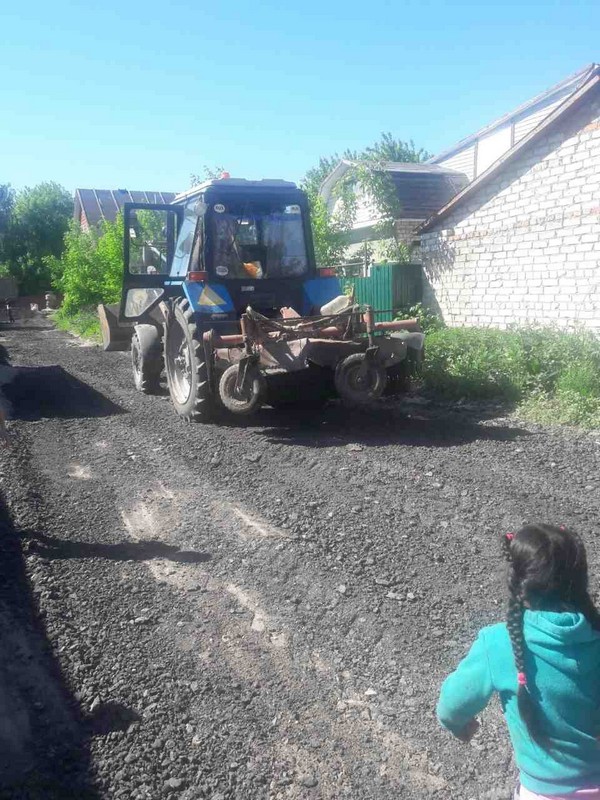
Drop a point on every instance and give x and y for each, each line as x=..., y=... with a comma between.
x=525, y=248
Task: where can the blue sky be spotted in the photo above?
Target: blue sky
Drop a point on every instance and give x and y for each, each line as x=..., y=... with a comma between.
x=140, y=94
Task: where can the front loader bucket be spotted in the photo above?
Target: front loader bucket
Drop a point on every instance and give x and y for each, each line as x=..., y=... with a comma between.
x=115, y=336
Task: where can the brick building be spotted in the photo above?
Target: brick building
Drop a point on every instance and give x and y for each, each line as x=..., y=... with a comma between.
x=521, y=243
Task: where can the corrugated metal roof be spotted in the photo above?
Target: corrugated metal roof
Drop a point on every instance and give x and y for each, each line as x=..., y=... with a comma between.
x=100, y=205
x=422, y=192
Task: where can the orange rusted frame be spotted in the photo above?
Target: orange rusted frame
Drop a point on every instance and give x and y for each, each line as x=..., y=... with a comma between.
x=229, y=340
x=399, y=325
x=333, y=332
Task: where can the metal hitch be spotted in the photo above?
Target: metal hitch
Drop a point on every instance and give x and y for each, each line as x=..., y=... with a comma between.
x=370, y=359
x=244, y=375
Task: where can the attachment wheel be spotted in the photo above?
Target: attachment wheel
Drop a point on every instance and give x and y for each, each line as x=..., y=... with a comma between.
x=359, y=379
x=246, y=399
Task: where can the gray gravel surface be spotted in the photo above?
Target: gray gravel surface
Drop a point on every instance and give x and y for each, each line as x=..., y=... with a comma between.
x=253, y=610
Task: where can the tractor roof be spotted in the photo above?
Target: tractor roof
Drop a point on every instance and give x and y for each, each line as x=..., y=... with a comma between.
x=234, y=183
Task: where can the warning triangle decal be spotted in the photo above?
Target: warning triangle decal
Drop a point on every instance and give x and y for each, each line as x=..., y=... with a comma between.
x=210, y=298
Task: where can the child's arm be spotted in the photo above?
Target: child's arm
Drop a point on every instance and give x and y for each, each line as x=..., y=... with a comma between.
x=466, y=692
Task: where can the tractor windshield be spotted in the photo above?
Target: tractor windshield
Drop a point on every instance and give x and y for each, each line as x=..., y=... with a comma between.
x=258, y=244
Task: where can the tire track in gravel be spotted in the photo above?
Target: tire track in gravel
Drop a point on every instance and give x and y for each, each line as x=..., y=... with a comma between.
x=369, y=540
x=152, y=505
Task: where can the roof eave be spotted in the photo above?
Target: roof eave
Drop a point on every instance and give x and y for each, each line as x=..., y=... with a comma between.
x=340, y=169
x=491, y=171
x=343, y=166
x=578, y=78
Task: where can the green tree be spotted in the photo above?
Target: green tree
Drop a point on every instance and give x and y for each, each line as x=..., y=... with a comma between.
x=390, y=149
x=329, y=230
x=151, y=225
x=35, y=232
x=331, y=235
x=90, y=270
x=7, y=200
x=313, y=180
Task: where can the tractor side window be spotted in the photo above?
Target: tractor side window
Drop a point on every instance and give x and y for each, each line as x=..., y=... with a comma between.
x=197, y=259
x=148, y=241
x=185, y=242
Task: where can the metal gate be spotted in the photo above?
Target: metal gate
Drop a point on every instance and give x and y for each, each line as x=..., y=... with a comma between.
x=388, y=287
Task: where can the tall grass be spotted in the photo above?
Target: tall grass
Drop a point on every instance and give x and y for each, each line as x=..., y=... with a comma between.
x=84, y=323
x=552, y=376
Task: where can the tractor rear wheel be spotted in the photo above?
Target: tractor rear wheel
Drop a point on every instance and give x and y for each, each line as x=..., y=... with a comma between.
x=146, y=358
x=358, y=380
x=185, y=365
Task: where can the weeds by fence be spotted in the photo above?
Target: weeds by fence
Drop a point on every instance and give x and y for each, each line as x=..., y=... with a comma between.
x=84, y=323
x=550, y=375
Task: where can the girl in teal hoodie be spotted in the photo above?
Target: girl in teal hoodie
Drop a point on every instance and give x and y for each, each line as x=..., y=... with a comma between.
x=544, y=663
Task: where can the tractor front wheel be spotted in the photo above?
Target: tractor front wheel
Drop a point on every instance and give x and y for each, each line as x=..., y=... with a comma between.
x=185, y=365
x=146, y=358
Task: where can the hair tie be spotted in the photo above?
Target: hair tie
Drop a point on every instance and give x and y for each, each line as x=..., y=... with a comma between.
x=521, y=679
x=509, y=536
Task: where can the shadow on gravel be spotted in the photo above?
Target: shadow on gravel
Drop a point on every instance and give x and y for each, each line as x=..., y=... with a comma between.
x=44, y=742
x=19, y=326
x=377, y=427
x=50, y=547
x=46, y=392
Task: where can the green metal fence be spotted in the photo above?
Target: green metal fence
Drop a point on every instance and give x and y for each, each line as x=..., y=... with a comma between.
x=389, y=287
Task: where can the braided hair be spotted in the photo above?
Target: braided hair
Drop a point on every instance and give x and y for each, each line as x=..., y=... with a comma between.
x=548, y=570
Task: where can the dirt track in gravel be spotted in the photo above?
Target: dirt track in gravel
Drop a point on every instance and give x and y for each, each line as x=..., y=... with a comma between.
x=256, y=610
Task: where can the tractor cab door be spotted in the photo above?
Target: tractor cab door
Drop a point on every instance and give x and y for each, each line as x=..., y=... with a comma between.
x=150, y=234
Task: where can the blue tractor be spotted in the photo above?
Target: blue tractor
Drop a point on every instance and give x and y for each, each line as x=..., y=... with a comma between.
x=221, y=291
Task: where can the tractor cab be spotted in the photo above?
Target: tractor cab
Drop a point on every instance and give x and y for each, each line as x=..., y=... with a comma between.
x=226, y=244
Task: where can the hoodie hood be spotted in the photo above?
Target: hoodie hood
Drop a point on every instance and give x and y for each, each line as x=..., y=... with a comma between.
x=564, y=639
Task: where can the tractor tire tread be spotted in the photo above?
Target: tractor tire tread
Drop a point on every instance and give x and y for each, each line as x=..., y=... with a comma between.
x=201, y=410
x=147, y=379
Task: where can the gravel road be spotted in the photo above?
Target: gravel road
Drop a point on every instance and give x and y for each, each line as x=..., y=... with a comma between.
x=252, y=610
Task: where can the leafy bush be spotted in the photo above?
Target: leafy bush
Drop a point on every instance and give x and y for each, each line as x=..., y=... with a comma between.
x=428, y=320
x=474, y=362
x=550, y=354
x=91, y=268
x=554, y=375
